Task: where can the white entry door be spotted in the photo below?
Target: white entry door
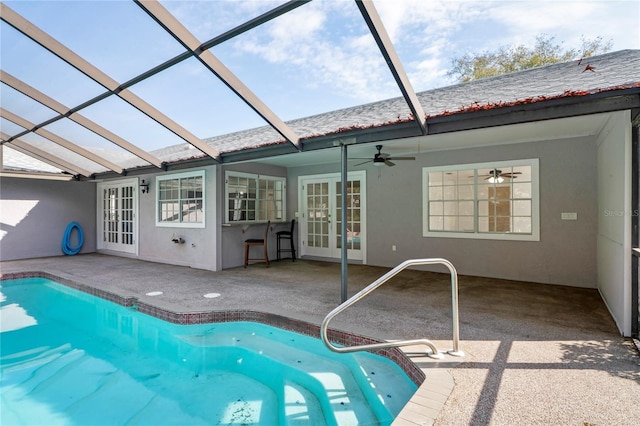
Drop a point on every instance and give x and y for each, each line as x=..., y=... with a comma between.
x=118, y=210
x=320, y=226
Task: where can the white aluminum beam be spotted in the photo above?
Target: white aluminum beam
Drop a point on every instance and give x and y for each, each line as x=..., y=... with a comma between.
x=379, y=33
x=31, y=92
x=67, y=55
x=60, y=141
x=55, y=47
x=49, y=102
x=33, y=175
x=168, y=123
x=189, y=41
x=39, y=154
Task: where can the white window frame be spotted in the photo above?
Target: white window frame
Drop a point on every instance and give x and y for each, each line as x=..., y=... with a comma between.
x=257, y=178
x=535, y=202
x=180, y=176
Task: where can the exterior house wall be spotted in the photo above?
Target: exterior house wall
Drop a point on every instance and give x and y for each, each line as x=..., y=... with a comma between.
x=614, y=218
x=214, y=247
x=35, y=213
x=233, y=236
x=565, y=254
x=199, y=249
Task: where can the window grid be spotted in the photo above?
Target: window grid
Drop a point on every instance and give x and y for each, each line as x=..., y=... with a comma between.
x=127, y=215
x=451, y=201
x=480, y=200
x=353, y=214
x=110, y=215
x=254, y=198
x=319, y=216
x=181, y=200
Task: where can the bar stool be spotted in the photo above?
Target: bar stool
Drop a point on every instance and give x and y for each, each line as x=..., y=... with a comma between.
x=287, y=235
x=248, y=243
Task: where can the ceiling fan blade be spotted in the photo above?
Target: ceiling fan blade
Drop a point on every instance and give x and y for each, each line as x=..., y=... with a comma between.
x=389, y=163
x=365, y=162
x=401, y=158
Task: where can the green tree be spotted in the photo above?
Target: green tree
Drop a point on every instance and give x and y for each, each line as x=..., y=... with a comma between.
x=517, y=58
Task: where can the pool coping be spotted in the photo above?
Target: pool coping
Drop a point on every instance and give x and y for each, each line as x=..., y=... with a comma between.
x=434, y=384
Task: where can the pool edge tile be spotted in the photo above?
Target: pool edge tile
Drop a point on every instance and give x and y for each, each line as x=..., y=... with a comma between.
x=429, y=399
x=435, y=384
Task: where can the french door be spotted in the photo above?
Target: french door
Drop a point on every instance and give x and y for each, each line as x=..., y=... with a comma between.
x=118, y=220
x=320, y=225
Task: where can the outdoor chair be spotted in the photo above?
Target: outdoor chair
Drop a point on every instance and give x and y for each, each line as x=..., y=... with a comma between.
x=248, y=243
x=286, y=235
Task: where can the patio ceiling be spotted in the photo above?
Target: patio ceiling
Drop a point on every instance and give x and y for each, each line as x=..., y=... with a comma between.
x=52, y=108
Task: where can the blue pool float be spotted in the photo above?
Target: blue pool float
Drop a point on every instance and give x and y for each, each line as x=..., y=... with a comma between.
x=66, y=240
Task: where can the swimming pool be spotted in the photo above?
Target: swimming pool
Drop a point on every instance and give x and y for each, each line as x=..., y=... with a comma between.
x=72, y=358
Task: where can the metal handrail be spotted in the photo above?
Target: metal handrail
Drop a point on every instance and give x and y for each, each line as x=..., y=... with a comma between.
x=324, y=328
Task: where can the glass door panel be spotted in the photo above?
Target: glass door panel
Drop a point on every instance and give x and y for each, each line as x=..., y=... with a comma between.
x=318, y=218
x=118, y=217
x=321, y=216
x=354, y=228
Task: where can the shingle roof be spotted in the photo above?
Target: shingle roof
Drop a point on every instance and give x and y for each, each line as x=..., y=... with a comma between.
x=606, y=71
x=611, y=70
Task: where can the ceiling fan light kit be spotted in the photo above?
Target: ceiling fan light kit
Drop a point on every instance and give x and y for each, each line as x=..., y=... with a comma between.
x=496, y=176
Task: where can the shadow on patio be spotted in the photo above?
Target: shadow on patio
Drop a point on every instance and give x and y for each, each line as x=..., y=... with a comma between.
x=535, y=354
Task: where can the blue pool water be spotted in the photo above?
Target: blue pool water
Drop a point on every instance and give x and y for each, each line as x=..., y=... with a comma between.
x=68, y=358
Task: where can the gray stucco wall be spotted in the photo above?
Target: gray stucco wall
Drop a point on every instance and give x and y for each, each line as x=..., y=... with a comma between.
x=199, y=249
x=213, y=247
x=565, y=254
x=35, y=213
x=232, y=241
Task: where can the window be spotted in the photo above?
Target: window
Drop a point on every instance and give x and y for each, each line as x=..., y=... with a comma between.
x=180, y=200
x=497, y=200
x=254, y=198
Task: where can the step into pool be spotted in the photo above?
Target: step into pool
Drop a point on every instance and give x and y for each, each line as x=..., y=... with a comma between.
x=71, y=358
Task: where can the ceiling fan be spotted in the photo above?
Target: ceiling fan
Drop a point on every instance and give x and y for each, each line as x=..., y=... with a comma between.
x=496, y=176
x=383, y=159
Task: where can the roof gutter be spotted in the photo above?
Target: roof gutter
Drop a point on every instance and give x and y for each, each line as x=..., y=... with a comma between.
x=518, y=113
x=499, y=115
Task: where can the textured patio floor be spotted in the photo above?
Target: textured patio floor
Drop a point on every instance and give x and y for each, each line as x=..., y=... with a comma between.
x=535, y=354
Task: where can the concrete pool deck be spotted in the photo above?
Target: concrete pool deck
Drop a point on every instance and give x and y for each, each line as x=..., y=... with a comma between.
x=534, y=354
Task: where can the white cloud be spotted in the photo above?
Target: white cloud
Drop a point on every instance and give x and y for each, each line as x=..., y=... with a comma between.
x=330, y=45
x=326, y=45
x=207, y=19
x=302, y=25
x=422, y=33
x=428, y=34
x=568, y=21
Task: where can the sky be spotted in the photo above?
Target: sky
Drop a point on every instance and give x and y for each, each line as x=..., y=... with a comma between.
x=316, y=59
